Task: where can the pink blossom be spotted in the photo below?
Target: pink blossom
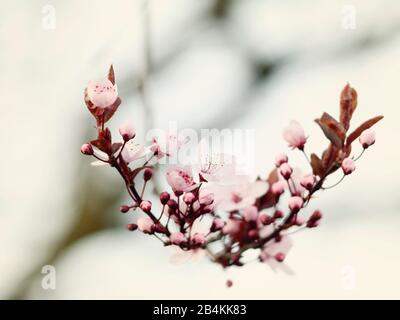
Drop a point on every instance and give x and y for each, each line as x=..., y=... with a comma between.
x=367, y=138
x=308, y=181
x=348, y=166
x=240, y=195
x=133, y=151
x=102, y=93
x=145, y=206
x=167, y=144
x=295, y=203
x=180, y=178
x=87, y=149
x=278, y=188
x=217, y=224
x=275, y=252
x=145, y=224
x=189, y=197
x=231, y=227
x=198, y=239
x=294, y=135
x=177, y=238
x=127, y=130
x=286, y=170
x=280, y=159
x=250, y=213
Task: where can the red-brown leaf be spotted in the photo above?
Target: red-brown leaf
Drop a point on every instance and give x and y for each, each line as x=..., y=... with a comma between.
x=111, y=75
x=317, y=166
x=332, y=129
x=348, y=103
x=366, y=125
x=102, y=144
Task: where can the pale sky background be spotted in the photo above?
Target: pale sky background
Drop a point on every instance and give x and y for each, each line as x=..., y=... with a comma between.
x=246, y=64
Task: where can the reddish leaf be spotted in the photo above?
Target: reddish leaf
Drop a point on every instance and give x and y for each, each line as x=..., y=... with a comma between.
x=273, y=177
x=111, y=75
x=329, y=157
x=348, y=103
x=269, y=199
x=332, y=129
x=366, y=125
x=317, y=166
x=115, y=147
x=102, y=144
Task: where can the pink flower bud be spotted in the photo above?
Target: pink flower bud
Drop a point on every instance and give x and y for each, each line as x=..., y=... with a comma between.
x=280, y=257
x=124, y=208
x=177, y=238
x=250, y=213
x=87, y=149
x=198, y=239
x=314, y=219
x=299, y=221
x=217, y=224
x=145, y=206
x=131, y=226
x=265, y=220
x=159, y=228
x=102, y=93
x=231, y=227
x=295, y=204
x=367, y=138
x=308, y=181
x=348, y=166
x=127, y=131
x=189, y=197
x=172, y=204
x=278, y=214
x=281, y=159
x=229, y=283
x=164, y=197
x=145, y=224
x=278, y=188
x=147, y=174
x=295, y=136
x=286, y=170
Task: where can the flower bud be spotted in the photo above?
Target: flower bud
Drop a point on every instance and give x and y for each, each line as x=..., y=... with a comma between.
x=87, y=149
x=250, y=213
x=159, y=228
x=198, y=239
x=308, y=181
x=295, y=204
x=253, y=234
x=147, y=174
x=295, y=136
x=265, y=219
x=172, y=204
x=124, y=208
x=164, y=197
x=229, y=283
x=281, y=159
x=367, y=138
x=278, y=214
x=145, y=224
x=189, y=197
x=131, y=226
x=286, y=170
x=145, y=206
x=217, y=224
x=314, y=219
x=127, y=131
x=177, y=238
x=348, y=166
x=278, y=188
x=280, y=257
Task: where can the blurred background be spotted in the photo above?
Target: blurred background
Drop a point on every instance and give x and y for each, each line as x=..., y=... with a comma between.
x=247, y=64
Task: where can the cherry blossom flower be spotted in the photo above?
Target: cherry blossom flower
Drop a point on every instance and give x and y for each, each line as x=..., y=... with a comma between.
x=273, y=253
x=308, y=181
x=295, y=136
x=280, y=159
x=145, y=224
x=295, y=203
x=348, y=166
x=250, y=213
x=145, y=206
x=167, y=144
x=240, y=195
x=127, y=130
x=286, y=170
x=198, y=239
x=231, y=227
x=180, y=178
x=102, y=93
x=134, y=151
x=367, y=138
x=278, y=188
x=177, y=238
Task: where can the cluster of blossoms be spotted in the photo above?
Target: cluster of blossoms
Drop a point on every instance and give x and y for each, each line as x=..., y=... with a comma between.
x=210, y=209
